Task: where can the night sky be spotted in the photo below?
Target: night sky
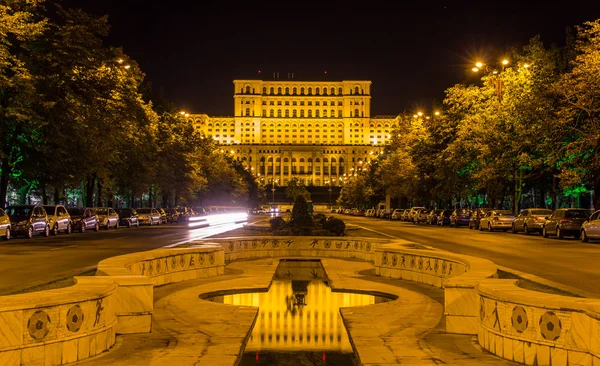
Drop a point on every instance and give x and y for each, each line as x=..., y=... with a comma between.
x=412, y=53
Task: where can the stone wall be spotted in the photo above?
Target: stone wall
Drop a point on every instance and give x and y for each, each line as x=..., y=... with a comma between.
x=59, y=326
x=292, y=246
x=537, y=328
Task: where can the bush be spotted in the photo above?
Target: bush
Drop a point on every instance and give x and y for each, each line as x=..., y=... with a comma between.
x=300, y=216
x=277, y=223
x=336, y=226
x=320, y=218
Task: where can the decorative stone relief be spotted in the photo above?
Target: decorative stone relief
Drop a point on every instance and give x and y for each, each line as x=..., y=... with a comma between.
x=74, y=318
x=38, y=325
x=550, y=326
x=519, y=319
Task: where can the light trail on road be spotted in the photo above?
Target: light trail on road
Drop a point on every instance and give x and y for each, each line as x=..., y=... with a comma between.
x=204, y=226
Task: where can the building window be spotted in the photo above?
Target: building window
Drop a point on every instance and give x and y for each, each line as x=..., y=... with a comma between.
x=247, y=111
x=301, y=113
x=316, y=113
x=309, y=91
x=287, y=91
x=287, y=112
x=294, y=91
x=356, y=90
x=294, y=113
x=264, y=112
x=339, y=114
x=247, y=90
x=265, y=90
x=318, y=91
x=356, y=113
x=324, y=113
x=324, y=91
x=310, y=113
x=340, y=91
x=301, y=91
x=279, y=91
x=271, y=113
x=271, y=91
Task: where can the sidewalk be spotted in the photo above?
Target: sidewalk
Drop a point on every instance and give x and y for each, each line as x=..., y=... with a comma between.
x=189, y=331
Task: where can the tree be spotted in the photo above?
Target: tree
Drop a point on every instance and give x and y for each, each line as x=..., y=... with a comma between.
x=296, y=188
x=301, y=217
x=579, y=114
x=20, y=24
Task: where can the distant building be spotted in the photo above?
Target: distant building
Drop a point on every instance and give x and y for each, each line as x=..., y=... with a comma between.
x=320, y=133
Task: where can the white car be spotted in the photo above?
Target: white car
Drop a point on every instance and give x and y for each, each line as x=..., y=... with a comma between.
x=497, y=220
x=591, y=228
x=149, y=216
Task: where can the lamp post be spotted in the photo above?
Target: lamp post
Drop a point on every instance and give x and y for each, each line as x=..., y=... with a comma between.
x=496, y=79
x=329, y=195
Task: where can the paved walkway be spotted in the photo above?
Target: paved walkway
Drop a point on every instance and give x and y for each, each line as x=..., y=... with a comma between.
x=189, y=331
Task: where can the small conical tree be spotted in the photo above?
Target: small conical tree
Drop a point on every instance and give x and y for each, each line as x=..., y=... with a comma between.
x=301, y=217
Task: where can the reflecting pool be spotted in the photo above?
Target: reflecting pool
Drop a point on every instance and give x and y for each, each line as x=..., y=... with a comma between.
x=299, y=317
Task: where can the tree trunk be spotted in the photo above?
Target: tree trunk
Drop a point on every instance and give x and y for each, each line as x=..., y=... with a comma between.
x=596, y=192
x=89, y=191
x=175, y=200
x=554, y=188
x=150, y=203
x=99, y=197
x=165, y=199
x=4, y=176
x=44, y=193
x=56, y=196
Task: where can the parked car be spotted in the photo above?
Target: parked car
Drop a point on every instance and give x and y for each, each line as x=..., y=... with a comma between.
x=590, y=229
x=184, y=214
x=566, y=221
x=28, y=220
x=4, y=225
x=444, y=217
x=421, y=216
x=412, y=213
x=163, y=216
x=497, y=220
x=432, y=218
x=107, y=217
x=476, y=217
x=173, y=215
x=460, y=217
x=127, y=217
x=59, y=219
x=149, y=216
x=83, y=218
x=530, y=220
x=397, y=214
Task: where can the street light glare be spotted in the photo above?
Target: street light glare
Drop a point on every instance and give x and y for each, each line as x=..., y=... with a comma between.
x=420, y=113
x=437, y=113
x=475, y=69
x=505, y=62
x=479, y=64
x=526, y=65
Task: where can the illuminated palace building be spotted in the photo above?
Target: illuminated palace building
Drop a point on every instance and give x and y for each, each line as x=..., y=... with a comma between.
x=320, y=133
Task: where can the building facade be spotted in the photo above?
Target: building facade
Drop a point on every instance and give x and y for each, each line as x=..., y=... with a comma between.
x=320, y=133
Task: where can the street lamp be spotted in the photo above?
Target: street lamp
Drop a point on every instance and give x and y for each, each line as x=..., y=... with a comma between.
x=497, y=81
x=329, y=195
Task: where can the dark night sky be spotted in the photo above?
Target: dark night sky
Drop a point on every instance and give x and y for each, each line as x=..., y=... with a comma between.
x=411, y=52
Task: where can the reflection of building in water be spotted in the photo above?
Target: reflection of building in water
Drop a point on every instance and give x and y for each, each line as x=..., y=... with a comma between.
x=281, y=326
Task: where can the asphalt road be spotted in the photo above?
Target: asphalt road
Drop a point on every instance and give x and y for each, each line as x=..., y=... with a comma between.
x=568, y=261
x=27, y=263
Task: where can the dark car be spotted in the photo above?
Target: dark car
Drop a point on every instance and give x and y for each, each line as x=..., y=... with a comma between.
x=444, y=217
x=28, y=220
x=566, y=221
x=127, y=217
x=460, y=217
x=476, y=217
x=433, y=216
x=83, y=218
x=172, y=215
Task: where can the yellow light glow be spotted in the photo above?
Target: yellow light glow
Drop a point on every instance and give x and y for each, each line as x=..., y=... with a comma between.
x=495, y=72
x=526, y=65
x=505, y=62
x=182, y=112
x=479, y=64
x=120, y=60
x=187, y=114
x=415, y=116
x=127, y=66
x=437, y=113
x=475, y=69
x=420, y=113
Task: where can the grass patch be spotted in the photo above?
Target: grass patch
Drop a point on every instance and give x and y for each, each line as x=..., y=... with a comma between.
x=60, y=283
x=534, y=286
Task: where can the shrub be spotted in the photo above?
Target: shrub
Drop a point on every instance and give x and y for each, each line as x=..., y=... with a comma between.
x=320, y=218
x=300, y=215
x=336, y=226
x=277, y=223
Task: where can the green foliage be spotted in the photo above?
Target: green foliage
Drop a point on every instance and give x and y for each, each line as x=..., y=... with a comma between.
x=301, y=217
x=296, y=188
x=336, y=226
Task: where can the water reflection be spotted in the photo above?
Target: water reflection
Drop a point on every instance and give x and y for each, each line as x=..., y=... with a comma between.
x=299, y=312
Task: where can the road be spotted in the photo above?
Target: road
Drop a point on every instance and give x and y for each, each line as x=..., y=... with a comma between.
x=568, y=261
x=26, y=263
